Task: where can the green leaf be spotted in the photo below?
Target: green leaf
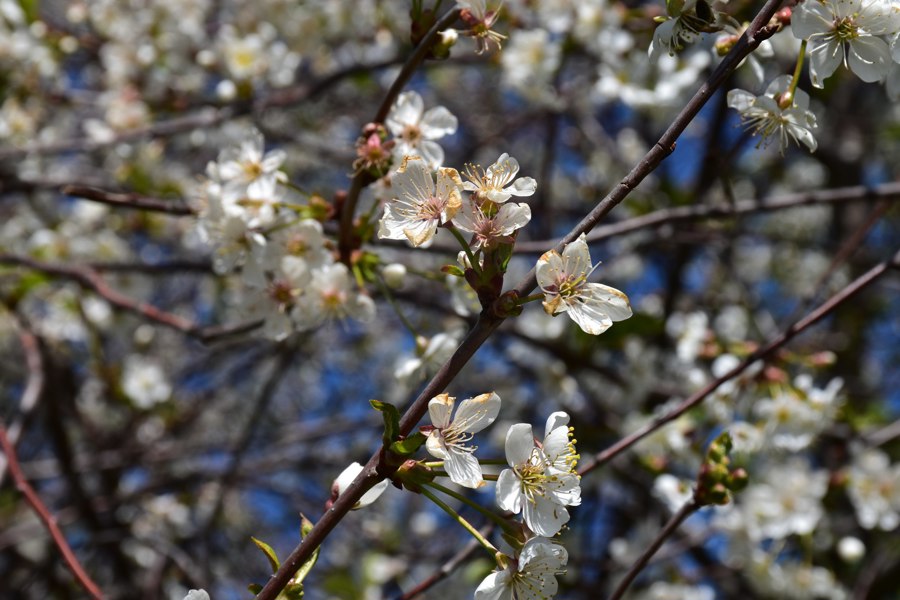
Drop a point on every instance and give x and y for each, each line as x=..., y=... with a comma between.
x=270, y=554
x=255, y=588
x=391, y=420
x=409, y=446
x=293, y=591
x=453, y=270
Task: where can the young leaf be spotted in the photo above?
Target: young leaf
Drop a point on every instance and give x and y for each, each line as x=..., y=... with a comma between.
x=270, y=554
x=391, y=420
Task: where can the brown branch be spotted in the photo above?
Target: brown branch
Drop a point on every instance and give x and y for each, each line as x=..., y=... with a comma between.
x=91, y=280
x=126, y=200
x=668, y=216
x=375, y=470
x=348, y=210
x=803, y=324
x=46, y=517
x=677, y=519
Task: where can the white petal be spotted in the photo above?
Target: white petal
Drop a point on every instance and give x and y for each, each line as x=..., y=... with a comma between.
x=372, y=495
x=607, y=299
x=495, y=586
x=523, y=186
x=431, y=152
x=555, y=420
x=407, y=110
x=544, y=517
x=439, y=409
x=509, y=491
x=438, y=122
x=477, y=413
x=810, y=18
x=549, y=267
x=463, y=468
x=824, y=59
x=413, y=180
x=869, y=58
x=591, y=321
x=577, y=257
x=519, y=444
x=435, y=445
x=511, y=217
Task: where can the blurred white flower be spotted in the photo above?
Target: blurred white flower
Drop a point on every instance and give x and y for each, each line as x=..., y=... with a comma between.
x=145, y=382
x=415, y=129
x=777, y=115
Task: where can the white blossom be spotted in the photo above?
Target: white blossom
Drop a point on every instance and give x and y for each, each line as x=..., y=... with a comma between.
x=448, y=440
x=529, y=576
x=498, y=182
x=420, y=205
x=775, y=115
x=542, y=480
x=415, y=129
x=563, y=279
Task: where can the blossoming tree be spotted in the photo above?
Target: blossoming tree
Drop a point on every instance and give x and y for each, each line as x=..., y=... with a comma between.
x=252, y=253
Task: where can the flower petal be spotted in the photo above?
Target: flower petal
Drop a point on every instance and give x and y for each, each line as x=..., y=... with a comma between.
x=544, y=517
x=509, y=491
x=463, y=468
x=476, y=413
x=439, y=409
x=519, y=444
x=438, y=122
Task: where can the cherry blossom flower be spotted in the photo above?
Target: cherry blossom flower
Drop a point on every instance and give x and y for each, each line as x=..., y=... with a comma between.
x=415, y=129
x=494, y=229
x=846, y=31
x=420, y=205
x=249, y=169
x=197, y=595
x=331, y=295
x=777, y=115
x=347, y=476
x=498, y=183
x=145, y=382
x=563, y=279
x=449, y=440
x=480, y=21
x=542, y=480
x=529, y=576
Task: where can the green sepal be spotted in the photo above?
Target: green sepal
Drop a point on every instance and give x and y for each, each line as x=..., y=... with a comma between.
x=391, y=420
x=408, y=446
x=453, y=270
x=293, y=591
x=270, y=554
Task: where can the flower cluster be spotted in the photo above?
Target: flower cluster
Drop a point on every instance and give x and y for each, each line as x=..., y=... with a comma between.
x=852, y=32
x=290, y=278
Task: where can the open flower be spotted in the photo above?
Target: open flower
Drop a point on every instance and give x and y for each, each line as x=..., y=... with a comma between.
x=449, y=440
x=246, y=165
x=542, y=480
x=846, y=31
x=491, y=230
x=498, y=183
x=331, y=295
x=530, y=576
x=563, y=279
x=420, y=205
x=415, y=129
x=774, y=115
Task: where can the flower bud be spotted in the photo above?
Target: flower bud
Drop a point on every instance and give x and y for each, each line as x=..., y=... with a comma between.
x=394, y=275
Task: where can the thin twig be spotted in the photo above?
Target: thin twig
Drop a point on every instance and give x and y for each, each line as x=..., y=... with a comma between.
x=348, y=210
x=677, y=519
x=47, y=518
x=127, y=200
x=375, y=470
x=805, y=323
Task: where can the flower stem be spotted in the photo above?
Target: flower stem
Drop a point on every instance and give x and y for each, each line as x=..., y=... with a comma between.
x=797, y=69
x=386, y=292
x=466, y=525
x=531, y=298
x=490, y=515
x=465, y=246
